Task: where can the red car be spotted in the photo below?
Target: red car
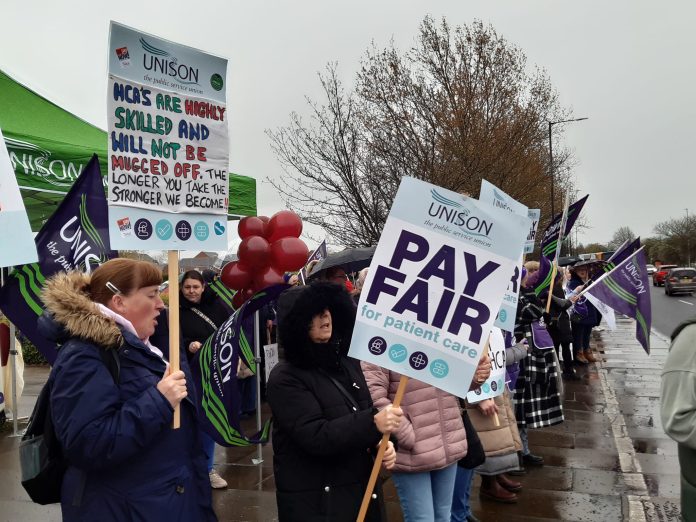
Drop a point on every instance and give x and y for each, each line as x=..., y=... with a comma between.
x=659, y=276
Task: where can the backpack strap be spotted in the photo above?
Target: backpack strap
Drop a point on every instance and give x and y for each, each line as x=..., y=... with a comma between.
x=112, y=362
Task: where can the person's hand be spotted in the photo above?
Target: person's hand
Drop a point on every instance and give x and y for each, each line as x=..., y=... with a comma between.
x=389, y=458
x=578, y=289
x=388, y=419
x=194, y=346
x=483, y=370
x=573, y=298
x=488, y=407
x=173, y=387
x=269, y=324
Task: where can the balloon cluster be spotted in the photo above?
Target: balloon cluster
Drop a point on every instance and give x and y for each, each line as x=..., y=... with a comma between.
x=269, y=248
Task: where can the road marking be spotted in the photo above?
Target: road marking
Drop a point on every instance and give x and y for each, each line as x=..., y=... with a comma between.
x=685, y=302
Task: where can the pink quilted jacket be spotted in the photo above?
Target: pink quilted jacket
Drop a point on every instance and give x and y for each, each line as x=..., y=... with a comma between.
x=431, y=435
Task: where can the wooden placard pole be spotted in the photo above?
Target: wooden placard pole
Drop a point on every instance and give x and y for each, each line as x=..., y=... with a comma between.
x=173, y=272
x=380, y=454
x=554, y=270
x=496, y=420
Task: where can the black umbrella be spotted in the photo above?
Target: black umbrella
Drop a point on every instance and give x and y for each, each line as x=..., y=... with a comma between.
x=350, y=259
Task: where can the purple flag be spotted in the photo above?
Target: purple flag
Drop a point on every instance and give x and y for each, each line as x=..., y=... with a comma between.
x=319, y=254
x=75, y=237
x=622, y=254
x=549, y=240
x=214, y=371
x=626, y=289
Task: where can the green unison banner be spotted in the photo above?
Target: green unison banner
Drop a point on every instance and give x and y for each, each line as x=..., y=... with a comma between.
x=49, y=147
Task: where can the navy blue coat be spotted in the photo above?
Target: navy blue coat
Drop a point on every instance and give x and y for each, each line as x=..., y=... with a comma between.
x=126, y=463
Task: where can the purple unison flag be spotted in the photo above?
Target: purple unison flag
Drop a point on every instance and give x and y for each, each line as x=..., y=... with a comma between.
x=549, y=240
x=319, y=254
x=626, y=289
x=214, y=371
x=622, y=254
x=75, y=237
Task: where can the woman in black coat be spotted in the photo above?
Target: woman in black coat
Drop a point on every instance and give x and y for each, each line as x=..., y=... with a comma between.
x=325, y=427
x=201, y=312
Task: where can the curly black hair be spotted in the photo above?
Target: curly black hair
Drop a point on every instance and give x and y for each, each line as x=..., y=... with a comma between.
x=296, y=309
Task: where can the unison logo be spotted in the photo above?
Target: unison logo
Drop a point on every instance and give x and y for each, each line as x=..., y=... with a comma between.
x=445, y=209
x=37, y=161
x=500, y=201
x=160, y=61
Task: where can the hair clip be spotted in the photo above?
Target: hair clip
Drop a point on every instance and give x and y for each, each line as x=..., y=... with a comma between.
x=112, y=287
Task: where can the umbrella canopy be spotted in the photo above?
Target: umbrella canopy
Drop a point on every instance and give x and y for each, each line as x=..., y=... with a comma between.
x=593, y=266
x=350, y=259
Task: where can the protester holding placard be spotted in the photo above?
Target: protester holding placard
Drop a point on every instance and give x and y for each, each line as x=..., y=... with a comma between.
x=431, y=440
x=537, y=399
x=325, y=427
x=201, y=312
x=125, y=462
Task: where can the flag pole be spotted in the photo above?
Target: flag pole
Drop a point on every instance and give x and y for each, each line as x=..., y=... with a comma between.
x=173, y=273
x=257, y=360
x=380, y=454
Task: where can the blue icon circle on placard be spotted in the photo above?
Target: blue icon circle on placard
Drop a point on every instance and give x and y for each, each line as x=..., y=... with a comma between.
x=502, y=315
x=164, y=229
x=439, y=368
x=183, y=230
x=418, y=361
x=201, y=231
x=377, y=345
x=486, y=387
x=494, y=386
x=143, y=229
x=398, y=353
x=219, y=228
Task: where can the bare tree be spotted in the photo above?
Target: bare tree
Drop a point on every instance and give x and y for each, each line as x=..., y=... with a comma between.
x=457, y=108
x=621, y=235
x=675, y=238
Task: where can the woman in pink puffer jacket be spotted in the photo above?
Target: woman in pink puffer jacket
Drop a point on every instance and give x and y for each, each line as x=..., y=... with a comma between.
x=431, y=439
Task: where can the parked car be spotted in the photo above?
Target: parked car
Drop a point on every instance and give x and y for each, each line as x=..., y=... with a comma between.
x=659, y=276
x=680, y=280
x=651, y=269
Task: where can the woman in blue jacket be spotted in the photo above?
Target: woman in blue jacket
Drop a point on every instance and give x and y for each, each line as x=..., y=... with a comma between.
x=126, y=463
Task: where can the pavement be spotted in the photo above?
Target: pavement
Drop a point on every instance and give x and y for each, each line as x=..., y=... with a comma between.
x=609, y=461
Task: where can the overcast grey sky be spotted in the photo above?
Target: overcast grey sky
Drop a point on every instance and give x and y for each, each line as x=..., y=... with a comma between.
x=626, y=65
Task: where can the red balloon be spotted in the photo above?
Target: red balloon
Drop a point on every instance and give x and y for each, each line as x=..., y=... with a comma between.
x=234, y=276
x=284, y=224
x=251, y=226
x=271, y=276
x=289, y=254
x=254, y=254
x=238, y=299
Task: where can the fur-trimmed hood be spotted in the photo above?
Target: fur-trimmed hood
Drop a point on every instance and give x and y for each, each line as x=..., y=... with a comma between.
x=296, y=308
x=71, y=313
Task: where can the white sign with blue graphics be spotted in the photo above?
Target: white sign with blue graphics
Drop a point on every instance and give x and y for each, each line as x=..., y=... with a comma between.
x=147, y=59
x=502, y=201
x=167, y=144
x=18, y=243
x=435, y=284
x=495, y=384
x=534, y=215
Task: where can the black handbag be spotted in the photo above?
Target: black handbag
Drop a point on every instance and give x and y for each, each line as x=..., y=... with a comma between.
x=475, y=456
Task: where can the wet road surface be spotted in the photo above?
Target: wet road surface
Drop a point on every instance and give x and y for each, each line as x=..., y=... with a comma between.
x=609, y=461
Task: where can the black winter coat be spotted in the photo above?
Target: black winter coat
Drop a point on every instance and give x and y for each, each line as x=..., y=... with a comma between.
x=322, y=444
x=559, y=322
x=194, y=327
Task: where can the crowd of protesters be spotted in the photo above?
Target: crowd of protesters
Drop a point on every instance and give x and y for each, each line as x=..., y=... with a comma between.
x=330, y=411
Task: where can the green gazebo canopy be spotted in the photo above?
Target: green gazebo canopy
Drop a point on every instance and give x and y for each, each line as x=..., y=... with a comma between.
x=49, y=147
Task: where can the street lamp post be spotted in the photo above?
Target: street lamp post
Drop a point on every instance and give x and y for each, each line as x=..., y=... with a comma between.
x=688, y=242
x=551, y=124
